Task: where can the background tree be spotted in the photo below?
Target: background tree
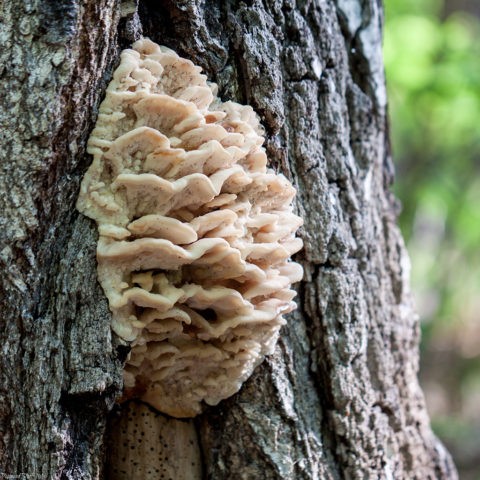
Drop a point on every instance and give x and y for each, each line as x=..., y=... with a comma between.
x=340, y=398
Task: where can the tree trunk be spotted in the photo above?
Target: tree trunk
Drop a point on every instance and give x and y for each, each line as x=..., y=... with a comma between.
x=340, y=397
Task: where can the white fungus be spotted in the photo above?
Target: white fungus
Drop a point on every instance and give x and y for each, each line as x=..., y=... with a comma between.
x=196, y=233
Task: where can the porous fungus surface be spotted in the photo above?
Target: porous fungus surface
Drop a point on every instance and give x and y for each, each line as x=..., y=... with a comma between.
x=195, y=232
x=145, y=445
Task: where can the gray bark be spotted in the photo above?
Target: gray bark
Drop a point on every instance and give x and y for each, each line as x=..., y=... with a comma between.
x=340, y=397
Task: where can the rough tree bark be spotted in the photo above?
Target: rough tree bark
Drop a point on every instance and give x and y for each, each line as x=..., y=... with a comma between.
x=340, y=398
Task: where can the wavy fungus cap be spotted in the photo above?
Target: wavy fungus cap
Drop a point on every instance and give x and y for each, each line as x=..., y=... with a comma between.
x=195, y=232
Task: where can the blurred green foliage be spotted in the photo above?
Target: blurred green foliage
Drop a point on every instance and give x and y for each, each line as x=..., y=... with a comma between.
x=433, y=77
x=432, y=61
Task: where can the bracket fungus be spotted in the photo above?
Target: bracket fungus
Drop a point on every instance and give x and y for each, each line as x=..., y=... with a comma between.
x=195, y=232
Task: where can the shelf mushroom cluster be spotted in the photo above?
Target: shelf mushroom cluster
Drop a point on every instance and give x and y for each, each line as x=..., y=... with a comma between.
x=195, y=232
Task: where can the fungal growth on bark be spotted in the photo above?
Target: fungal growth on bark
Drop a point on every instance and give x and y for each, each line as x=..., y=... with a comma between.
x=195, y=232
